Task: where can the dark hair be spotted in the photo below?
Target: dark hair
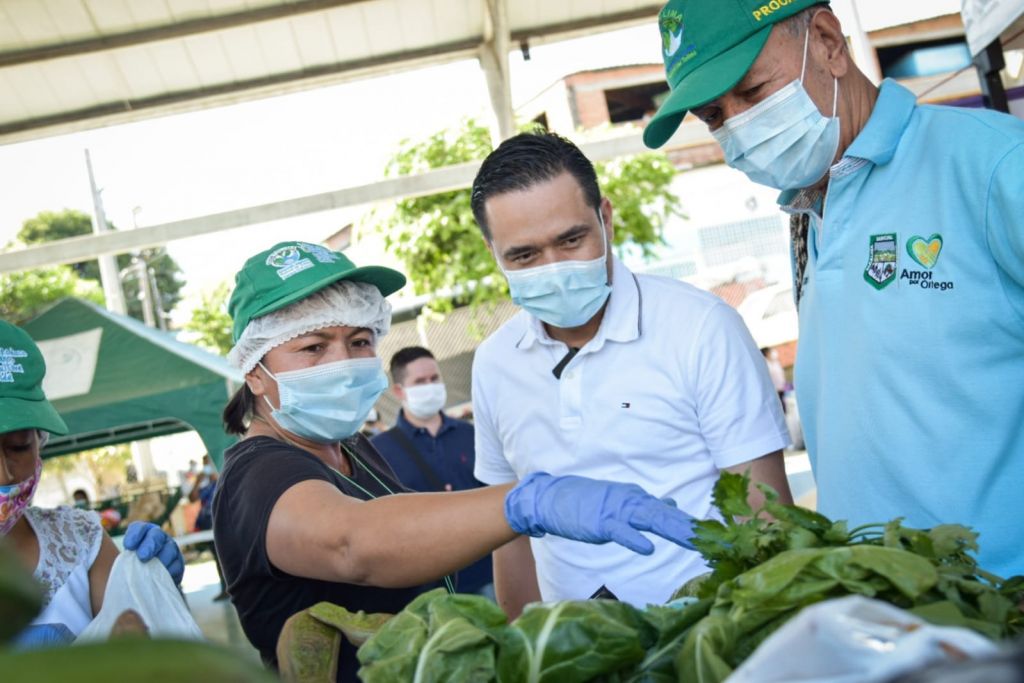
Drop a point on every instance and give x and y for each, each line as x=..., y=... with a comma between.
x=524, y=160
x=239, y=411
x=400, y=361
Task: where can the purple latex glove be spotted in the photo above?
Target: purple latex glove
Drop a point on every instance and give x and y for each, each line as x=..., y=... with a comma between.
x=149, y=541
x=594, y=511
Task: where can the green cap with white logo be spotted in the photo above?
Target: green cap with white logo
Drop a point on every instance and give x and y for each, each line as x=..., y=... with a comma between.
x=708, y=46
x=290, y=271
x=23, y=404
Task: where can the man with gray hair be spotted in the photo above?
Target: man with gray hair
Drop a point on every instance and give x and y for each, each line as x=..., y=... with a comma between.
x=907, y=228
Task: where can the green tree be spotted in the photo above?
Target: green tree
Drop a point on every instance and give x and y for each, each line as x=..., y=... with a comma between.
x=27, y=294
x=49, y=226
x=438, y=241
x=210, y=321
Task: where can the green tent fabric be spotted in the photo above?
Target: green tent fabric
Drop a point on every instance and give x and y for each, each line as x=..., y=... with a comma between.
x=115, y=380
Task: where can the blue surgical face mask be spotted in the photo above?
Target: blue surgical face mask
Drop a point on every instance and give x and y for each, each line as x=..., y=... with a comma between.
x=330, y=402
x=563, y=294
x=784, y=141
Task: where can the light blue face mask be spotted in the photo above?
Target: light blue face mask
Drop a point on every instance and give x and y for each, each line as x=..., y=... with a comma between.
x=783, y=141
x=563, y=294
x=330, y=402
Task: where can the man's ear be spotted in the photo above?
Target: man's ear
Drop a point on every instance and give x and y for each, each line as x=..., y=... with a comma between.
x=397, y=391
x=607, y=214
x=826, y=28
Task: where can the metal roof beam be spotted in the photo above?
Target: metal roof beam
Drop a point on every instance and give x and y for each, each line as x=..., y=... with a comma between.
x=76, y=249
x=179, y=29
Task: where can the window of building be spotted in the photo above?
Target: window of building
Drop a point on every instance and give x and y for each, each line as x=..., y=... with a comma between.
x=634, y=103
x=924, y=59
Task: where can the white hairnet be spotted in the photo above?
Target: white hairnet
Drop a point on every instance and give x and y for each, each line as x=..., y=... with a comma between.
x=344, y=303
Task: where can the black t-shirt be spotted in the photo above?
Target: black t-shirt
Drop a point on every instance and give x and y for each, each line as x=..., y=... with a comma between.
x=257, y=472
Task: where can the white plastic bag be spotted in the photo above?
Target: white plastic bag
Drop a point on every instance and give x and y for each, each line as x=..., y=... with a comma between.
x=147, y=588
x=855, y=640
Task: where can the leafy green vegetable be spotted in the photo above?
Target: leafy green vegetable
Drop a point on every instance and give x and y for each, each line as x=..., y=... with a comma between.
x=357, y=627
x=766, y=565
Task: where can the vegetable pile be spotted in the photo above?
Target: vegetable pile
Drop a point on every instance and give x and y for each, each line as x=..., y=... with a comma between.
x=766, y=565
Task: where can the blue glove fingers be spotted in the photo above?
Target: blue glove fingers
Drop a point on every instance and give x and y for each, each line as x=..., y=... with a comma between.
x=170, y=557
x=668, y=522
x=628, y=537
x=150, y=542
x=133, y=535
x=43, y=635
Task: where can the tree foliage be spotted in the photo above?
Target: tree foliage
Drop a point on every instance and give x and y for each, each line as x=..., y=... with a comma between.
x=210, y=321
x=27, y=294
x=438, y=241
x=49, y=226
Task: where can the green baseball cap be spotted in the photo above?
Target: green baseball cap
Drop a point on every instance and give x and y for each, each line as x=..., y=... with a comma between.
x=290, y=271
x=23, y=404
x=708, y=46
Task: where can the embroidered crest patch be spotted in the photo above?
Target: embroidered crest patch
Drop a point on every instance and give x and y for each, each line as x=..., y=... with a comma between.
x=882, y=255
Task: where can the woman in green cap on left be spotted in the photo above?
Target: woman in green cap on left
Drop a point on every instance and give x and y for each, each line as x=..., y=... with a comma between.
x=305, y=510
x=65, y=548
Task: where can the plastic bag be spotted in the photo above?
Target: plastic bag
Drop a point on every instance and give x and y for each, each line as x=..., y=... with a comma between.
x=855, y=640
x=148, y=589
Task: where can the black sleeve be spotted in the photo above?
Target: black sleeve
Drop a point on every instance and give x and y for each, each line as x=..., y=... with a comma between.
x=250, y=488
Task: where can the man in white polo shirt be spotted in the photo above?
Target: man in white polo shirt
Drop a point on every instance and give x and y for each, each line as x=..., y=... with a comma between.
x=605, y=374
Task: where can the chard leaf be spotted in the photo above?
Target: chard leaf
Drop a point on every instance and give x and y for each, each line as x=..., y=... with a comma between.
x=911, y=574
x=357, y=627
x=702, y=658
x=576, y=641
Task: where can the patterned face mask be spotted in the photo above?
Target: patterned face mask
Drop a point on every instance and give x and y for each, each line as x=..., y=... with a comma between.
x=15, y=499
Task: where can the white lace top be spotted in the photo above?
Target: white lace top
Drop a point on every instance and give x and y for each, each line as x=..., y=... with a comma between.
x=69, y=541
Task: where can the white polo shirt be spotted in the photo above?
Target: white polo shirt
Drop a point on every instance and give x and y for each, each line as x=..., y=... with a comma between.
x=671, y=390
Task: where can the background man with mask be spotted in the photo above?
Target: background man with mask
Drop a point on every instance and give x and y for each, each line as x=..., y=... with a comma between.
x=908, y=245
x=428, y=450
x=632, y=378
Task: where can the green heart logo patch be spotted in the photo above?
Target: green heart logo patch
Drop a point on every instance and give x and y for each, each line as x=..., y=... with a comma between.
x=925, y=251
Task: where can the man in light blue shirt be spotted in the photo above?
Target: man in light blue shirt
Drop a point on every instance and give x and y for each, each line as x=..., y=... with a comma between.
x=908, y=235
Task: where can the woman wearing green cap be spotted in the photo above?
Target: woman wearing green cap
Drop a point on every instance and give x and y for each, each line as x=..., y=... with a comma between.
x=305, y=512
x=66, y=548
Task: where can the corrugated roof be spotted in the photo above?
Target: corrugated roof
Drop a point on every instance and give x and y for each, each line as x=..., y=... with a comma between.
x=72, y=64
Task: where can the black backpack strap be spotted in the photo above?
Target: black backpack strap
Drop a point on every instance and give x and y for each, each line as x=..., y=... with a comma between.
x=417, y=458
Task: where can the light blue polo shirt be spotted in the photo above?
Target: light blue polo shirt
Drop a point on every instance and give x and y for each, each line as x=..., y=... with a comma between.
x=910, y=371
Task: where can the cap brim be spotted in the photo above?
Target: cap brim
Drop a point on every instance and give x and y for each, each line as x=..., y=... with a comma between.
x=20, y=413
x=705, y=83
x=388, y=281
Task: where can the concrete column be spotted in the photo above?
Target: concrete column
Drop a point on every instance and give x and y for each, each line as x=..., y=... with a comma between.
x=494, y=61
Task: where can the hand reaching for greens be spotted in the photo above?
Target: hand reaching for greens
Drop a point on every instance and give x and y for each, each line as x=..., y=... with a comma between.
x=594, y=511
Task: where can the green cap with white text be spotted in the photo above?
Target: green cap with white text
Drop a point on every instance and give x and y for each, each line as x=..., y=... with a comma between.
x=23, y=404
x=708, y=46
x=290, y=271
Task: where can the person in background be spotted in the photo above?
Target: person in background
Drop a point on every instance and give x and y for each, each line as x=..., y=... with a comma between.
x=776, y=372
x=605, y=374
x=907, y=229
x=66, y=548
x=80, y=499
x=428, y=450
x=202, y=491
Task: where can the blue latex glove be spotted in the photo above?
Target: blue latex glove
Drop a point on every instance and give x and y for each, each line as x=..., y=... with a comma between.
x=149, y=541
x=43, y=635
x=594, y=511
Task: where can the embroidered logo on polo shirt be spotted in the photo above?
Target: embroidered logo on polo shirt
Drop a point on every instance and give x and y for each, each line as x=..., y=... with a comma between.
x=926, y=253
x=882, y=257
